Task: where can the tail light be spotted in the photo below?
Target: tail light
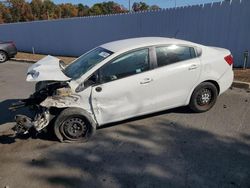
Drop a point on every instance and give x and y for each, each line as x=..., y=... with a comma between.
x=229, y=59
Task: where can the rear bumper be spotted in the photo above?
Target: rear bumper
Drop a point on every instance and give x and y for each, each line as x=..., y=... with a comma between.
x=225, y=82
x=12, y=52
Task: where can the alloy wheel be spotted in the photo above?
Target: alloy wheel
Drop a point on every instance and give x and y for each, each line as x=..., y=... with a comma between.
x=3, y=57
x=204, y=97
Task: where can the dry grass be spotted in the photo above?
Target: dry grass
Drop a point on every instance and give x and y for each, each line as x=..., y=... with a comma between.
x=36, y=57
x=242, y=75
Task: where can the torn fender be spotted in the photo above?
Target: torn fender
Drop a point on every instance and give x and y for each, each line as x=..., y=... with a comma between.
x=62, y=101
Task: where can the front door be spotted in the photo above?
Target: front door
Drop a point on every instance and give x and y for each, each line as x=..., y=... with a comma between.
x=125, y=90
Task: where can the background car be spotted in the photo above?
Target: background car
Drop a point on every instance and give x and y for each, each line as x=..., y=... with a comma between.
x=7, y=50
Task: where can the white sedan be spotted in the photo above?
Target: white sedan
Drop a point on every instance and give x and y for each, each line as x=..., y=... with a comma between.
x=121, y=80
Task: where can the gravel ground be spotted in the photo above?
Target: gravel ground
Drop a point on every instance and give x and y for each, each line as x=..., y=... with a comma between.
x=174, y=148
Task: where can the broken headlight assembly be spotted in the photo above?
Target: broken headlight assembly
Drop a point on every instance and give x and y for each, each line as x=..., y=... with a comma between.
x=33, y=74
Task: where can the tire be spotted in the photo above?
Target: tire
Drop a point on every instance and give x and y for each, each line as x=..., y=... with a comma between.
x=203, y=97
x=74, y=125
x=3, y=56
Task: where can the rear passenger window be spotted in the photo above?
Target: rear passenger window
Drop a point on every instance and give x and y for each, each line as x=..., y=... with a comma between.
x=167, y=55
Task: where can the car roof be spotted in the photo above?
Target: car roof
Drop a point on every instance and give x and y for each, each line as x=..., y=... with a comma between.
x=133, y=43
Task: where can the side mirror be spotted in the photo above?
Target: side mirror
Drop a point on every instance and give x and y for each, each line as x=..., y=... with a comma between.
x=80, y=87
x=89, y=82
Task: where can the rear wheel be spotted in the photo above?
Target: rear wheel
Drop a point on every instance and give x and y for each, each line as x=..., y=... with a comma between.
x=3, y=56
x=203, y=97
x=74, y=125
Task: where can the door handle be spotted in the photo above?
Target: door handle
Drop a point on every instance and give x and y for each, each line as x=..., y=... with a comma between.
x=146, y=80
x=192, y=67
x=98, y=89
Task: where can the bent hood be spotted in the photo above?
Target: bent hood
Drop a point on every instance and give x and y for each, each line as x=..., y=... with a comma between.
x=46, y=69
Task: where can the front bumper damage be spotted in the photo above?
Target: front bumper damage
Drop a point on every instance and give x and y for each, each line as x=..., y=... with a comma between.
x=38, y=103
x=25, y=123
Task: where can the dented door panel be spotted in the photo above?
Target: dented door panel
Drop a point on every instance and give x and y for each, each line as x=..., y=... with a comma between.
x=122, y=99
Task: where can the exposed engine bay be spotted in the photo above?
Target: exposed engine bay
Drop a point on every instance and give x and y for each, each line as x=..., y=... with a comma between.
x=57, y=101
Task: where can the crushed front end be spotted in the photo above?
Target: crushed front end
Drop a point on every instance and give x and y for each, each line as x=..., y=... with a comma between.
x=42, y=114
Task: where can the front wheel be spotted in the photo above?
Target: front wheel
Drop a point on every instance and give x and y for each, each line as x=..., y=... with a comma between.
x=3, y=57
x=203, y=97
x=74, y=125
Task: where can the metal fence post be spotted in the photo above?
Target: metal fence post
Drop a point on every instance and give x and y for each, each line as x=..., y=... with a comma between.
x=246, y=55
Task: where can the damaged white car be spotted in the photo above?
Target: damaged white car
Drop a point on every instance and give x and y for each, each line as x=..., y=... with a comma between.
x=121, y=80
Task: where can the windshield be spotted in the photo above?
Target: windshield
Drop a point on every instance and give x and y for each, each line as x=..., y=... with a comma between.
x=84, y=63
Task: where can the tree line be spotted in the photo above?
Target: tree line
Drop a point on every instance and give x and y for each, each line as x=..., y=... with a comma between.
x=23, y=11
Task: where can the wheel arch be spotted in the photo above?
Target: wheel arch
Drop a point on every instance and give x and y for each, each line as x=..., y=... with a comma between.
x=208, y=80
x=1, y=50
x=215, y=83
x=65, y=111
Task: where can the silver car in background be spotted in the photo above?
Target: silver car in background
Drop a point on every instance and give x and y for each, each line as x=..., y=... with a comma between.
x=7, y=50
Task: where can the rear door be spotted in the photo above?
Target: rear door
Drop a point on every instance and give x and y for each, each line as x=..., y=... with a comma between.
x=177, y=73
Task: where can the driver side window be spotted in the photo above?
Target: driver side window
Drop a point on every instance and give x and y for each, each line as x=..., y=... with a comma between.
x=126, y=65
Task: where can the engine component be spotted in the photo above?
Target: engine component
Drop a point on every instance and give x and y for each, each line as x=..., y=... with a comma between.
x=24, y=123
x=63, y=92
